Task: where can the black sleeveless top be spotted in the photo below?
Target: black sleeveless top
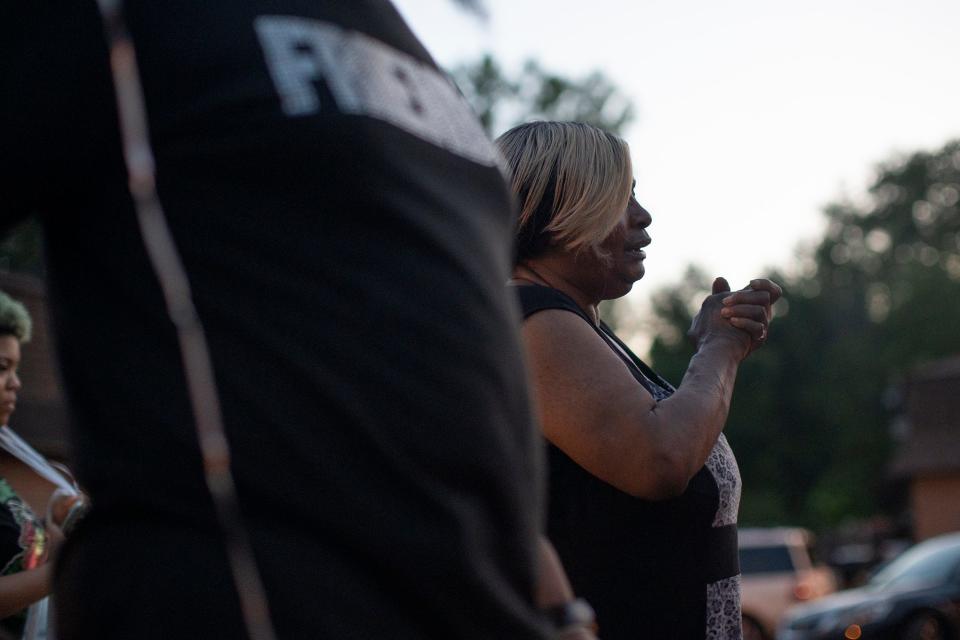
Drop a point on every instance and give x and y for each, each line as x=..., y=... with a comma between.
x=664, y=569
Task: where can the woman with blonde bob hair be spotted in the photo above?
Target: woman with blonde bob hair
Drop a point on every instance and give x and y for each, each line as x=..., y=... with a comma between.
x=586, y=172
x=644, y=489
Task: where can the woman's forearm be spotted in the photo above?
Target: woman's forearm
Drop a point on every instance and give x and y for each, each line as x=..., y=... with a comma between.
x=692, y=419
x=19, y=590
x=596, y=412
x=673, y=438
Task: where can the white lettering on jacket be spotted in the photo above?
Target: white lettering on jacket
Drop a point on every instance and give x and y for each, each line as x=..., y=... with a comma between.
x=369, y=78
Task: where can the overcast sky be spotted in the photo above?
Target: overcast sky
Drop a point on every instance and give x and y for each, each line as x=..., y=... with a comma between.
x=751, y=114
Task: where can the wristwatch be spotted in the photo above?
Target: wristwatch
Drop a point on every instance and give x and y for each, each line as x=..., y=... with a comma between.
x=570, y=615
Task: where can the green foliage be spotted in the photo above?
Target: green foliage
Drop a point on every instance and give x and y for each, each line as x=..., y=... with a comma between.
x=485, y=87
x=879, y=295
x=477, y=7
x=22, y=249
x=502, y=101
x=673, y=309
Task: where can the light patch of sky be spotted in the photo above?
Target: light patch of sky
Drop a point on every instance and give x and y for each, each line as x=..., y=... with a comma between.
x=751, y=114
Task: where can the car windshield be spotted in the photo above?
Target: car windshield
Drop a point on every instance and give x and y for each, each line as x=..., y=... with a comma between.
x=771, y=559
x=929, y=563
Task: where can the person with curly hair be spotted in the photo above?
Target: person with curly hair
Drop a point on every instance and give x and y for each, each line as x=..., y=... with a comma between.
x=27, y=538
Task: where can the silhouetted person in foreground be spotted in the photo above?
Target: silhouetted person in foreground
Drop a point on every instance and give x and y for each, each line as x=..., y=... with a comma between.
x=345, y=232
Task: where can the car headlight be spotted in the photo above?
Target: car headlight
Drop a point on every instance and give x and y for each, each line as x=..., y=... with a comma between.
x=860, y=614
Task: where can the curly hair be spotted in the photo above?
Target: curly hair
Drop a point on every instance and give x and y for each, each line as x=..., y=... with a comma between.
x=14, y=319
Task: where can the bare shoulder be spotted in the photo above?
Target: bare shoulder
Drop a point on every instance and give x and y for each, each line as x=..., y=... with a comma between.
x=577, y=376
x=556, y=335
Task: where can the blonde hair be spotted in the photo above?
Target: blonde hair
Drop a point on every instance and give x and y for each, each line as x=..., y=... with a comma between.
x=14, y=319
x=573, y=182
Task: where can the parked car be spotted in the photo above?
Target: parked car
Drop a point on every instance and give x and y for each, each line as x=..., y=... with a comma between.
x=914, y=597
x=778, y=571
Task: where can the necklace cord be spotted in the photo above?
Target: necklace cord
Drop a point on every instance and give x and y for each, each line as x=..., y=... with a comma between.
x=194, y=350
x=537, y=274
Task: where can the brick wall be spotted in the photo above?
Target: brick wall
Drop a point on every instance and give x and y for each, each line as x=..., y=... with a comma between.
x=936, y=505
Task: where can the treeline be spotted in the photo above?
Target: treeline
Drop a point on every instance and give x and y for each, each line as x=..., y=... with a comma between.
x=879, y=294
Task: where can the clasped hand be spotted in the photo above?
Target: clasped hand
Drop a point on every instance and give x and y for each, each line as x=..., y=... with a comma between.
x=63, y=511
x=740, y=316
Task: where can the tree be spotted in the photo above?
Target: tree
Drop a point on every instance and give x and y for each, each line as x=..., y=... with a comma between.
x=502, y=101
x=879, y=296
x=22, y=249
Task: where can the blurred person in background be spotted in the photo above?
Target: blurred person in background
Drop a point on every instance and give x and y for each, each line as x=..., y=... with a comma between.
x=343, y=225
x=643, y=487
x=30, y=512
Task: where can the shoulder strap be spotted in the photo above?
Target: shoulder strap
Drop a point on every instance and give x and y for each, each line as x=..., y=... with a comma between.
x=536, y=297
x=649, y=373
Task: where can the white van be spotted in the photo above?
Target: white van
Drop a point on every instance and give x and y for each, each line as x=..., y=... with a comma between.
x=778, y=571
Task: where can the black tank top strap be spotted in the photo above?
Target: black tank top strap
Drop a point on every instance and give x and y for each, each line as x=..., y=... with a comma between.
x=536, y=297
x=649, y=373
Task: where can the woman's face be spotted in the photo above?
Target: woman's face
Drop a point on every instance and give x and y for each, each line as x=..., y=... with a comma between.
x=9, y=380
x=624, y=246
